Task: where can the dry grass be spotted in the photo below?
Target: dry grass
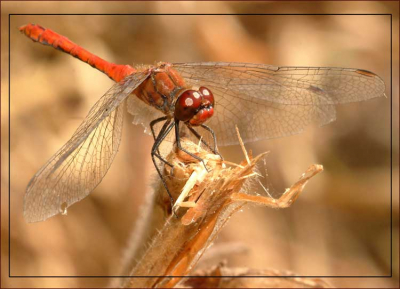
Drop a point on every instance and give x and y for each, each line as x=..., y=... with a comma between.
x=205, y=202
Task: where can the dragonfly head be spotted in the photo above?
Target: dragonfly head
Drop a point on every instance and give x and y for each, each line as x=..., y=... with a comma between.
x=195, y=106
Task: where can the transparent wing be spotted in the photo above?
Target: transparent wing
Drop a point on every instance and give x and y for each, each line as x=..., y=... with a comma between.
x=267, y=102
x=142, y=113
x=79, y=166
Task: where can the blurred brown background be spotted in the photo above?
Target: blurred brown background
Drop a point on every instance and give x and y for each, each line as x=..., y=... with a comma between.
x=340, y=225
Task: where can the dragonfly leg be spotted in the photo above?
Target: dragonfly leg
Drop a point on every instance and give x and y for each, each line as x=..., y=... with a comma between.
x=167, y=126
x=153, y=123
x=154, y=153
x=178, y=142
x=214, y=148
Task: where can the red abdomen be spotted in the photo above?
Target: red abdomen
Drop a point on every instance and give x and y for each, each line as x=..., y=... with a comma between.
x=48, y=37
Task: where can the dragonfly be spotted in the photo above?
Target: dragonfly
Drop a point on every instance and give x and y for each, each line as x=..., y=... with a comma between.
x=262, y=101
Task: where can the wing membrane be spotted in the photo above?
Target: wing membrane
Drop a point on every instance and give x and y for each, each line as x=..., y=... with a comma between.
x=79, y=166
x=267, y=102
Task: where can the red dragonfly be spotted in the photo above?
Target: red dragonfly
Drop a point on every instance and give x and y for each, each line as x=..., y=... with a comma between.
x=263, y=101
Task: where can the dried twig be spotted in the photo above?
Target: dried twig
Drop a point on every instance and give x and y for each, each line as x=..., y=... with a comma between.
x=209, y=199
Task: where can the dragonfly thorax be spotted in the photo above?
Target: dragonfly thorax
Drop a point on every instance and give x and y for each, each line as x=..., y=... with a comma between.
x=194, y=106
x=166, y=91
x=161, y=88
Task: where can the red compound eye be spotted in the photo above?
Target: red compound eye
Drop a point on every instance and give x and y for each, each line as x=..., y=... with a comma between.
x=194, y=106
x=207, y=94
x=187, y=105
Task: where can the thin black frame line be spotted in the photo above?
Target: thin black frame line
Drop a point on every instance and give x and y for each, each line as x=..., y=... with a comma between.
x=9, y=143
x=214, y=277
x=188, y=276
x=203, y=14
x=391, y=145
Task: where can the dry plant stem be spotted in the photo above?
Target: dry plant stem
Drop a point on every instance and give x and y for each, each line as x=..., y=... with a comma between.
x=151, y=218
x=288, y=197
x=182, y=241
